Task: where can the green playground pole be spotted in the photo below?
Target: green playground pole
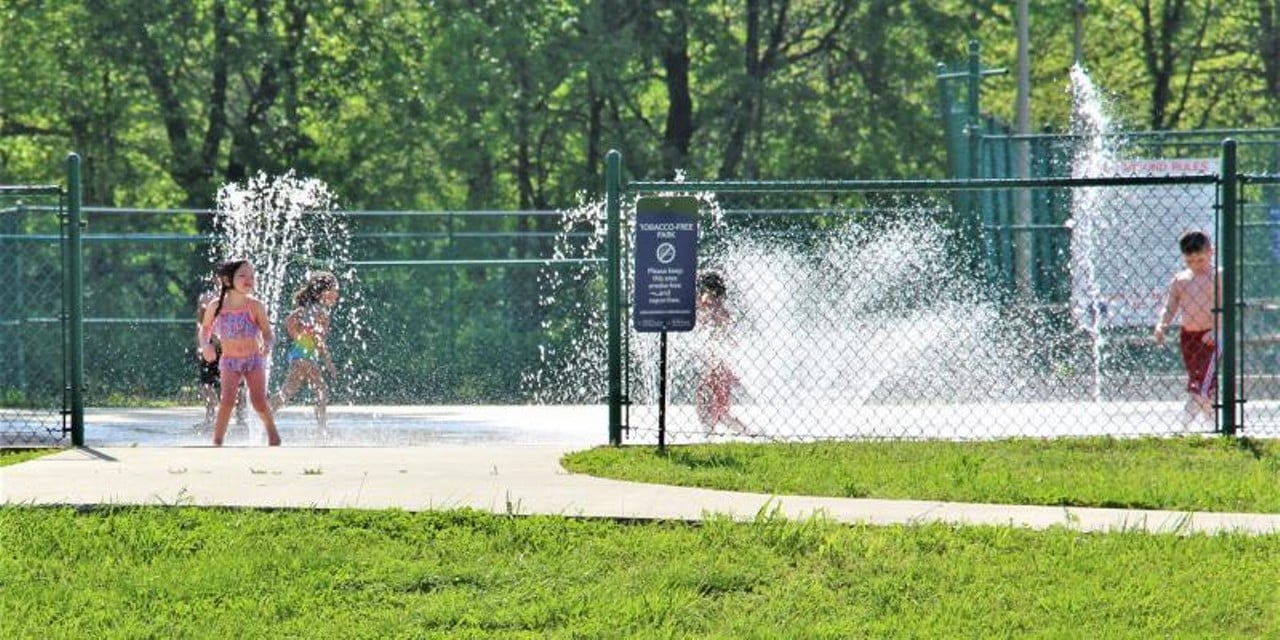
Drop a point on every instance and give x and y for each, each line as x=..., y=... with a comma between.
x=74, y=281
x=976, y=219
x=613, y=211
x=1228, y=239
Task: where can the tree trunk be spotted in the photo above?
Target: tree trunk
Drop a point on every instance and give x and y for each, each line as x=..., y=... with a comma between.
x=678, y=133
x=1269, y=45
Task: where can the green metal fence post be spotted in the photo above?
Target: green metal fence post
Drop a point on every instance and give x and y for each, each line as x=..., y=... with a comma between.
x=974, y=124
x=974, y=218
x=75, y=309
x=948, y=107
x=10, y=229
x=1230, y=260
x=613, y=211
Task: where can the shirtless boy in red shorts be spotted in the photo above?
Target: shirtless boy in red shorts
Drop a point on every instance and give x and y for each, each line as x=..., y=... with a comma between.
x=1193, y=295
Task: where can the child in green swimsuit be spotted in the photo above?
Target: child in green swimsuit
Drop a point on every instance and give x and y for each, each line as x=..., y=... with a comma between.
x=308, y=329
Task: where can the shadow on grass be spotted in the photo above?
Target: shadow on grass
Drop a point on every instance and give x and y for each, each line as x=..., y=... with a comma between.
x=701, y=458
x=1255, y=448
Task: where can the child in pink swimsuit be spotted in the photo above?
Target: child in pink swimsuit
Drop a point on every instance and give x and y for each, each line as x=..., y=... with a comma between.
x=715, y=387
x=244, y=332
x=208, y=371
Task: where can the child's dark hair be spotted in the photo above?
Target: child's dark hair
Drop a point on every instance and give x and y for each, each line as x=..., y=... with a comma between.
x=316, y=284
x=712, y=282
x=1193, y=242
x=226, y=273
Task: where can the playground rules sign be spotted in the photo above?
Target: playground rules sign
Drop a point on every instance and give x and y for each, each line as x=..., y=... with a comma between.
x=666, y=252
x=1114, y=229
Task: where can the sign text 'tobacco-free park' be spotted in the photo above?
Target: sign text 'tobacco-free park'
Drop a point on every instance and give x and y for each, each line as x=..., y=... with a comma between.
x=666, y=252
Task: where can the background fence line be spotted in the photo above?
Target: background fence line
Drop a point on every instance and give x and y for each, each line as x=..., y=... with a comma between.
x=881, y=313
x=862, y=309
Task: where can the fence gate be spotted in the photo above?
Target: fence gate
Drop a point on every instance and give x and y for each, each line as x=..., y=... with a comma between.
x=32, y=333
x=1259, y=366
x=41, y=375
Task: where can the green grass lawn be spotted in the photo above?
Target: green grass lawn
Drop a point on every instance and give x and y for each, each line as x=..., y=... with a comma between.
x=1192, y=473
x=14, y=456
x=185, y=572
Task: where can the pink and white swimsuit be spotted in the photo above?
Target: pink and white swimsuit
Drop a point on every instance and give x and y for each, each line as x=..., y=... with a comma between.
x=238, y=324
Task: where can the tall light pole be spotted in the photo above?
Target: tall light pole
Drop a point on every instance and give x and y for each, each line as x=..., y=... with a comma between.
x=1023, y=238
x=1079, y=34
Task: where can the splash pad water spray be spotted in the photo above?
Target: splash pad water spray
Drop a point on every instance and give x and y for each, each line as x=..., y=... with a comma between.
x=287, y=226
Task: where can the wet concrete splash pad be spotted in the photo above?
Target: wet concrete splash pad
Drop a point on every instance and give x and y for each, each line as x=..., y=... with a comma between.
x=369, y=426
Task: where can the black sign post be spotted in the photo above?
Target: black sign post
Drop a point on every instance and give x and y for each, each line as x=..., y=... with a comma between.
x=666, y=252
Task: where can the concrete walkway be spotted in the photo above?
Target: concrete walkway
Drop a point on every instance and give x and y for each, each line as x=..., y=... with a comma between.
x=525, y=479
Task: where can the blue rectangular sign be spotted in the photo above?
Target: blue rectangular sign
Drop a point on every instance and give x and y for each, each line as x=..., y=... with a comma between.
x=666, y=252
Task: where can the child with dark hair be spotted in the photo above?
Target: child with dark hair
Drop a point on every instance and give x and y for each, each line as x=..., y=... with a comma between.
x=714, y=393
x=308, y=329
x=241, y=324
x=1193, y=295
x=207, y=372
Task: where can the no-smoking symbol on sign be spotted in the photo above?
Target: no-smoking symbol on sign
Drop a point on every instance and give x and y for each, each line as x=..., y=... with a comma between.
x=665, y=253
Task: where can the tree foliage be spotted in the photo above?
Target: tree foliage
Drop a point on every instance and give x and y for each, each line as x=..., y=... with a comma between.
x=486, y=104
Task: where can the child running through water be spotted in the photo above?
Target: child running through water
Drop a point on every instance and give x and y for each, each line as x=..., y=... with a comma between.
x=208, y=371
x=308, y=329
x=715, y=387
x=1193, y=295
x=240, y=322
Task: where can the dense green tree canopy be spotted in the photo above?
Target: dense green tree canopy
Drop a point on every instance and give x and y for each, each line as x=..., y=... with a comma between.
x=490, y=104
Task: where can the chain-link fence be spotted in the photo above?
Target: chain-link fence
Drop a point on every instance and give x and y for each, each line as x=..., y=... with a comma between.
x=1260, y=309
x=883, y=310
x=33, y=336
x=479, y=307
x=858, y=309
